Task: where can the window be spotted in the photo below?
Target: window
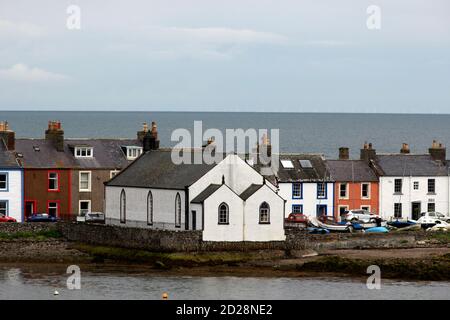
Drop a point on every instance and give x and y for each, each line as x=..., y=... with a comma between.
x=297, y=208
x=3, y=181
x=53, y=208
x=3, y=208
x=365, y=208
x=305, y=164
x=431, y=207
x=398, y=185
x=287, y=164
x=113, y=173
x=53, y=181
x=397, y=210
x=149, y=208
x=223, y=213
x=85, y=181
x=416, y=185
x=321, y=190
x=296, y=190
x=343, y=210
x=123, y=206
x=343, y=193
x=85, y=207
x=365, y=190
x=84, y=152
x=178, y=211
x=431, y=185
x=264, y=213
x=133, y=152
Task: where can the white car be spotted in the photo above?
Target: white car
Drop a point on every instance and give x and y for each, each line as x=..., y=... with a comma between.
x=429, y=219
x=95, y=217
x=361, y=215
x=435, y=215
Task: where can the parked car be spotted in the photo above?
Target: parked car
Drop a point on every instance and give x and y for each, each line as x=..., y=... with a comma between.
x=297, y=218
x=41, y=217
x=430, y=219
x=435, y=215
x=5, y=218
x=95, y=217
x=361, y=215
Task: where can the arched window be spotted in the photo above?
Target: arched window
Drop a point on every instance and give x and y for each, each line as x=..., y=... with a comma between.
x=178, y=211
x=150, y=208
x=264, y=213
x=223, y=213
x=123, y=206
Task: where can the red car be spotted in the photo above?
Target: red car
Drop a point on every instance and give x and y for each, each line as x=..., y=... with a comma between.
x=4, y=218
x=297, y=218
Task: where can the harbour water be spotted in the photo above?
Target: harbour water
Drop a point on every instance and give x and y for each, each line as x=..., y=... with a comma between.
x=25, y=283
x=299, y=132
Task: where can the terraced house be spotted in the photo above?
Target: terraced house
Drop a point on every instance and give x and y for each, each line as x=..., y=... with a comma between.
x=65, y=177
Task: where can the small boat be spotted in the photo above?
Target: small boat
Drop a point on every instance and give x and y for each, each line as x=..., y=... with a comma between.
x=332, y=226
x=313, y=230
x=401, y=223
x=377, y=230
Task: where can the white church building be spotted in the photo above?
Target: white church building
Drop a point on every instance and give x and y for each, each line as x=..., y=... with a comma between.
x=228, y=200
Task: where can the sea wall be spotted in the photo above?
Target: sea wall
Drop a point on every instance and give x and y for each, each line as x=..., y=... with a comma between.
x=186, y=241
x=11, y=227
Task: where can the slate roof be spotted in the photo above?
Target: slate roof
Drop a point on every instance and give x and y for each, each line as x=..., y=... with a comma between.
x=155, y=169
x=351, y=171
x=108, y=153
x=409, y=165
x=317, y=172
x=206, y=193
x=7, y=158
x=249, y=191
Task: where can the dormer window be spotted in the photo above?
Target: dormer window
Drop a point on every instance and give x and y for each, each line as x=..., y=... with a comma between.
x=133, y=152
x=84, y=152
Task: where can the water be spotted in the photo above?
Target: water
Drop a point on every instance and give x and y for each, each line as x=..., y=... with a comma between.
x=26, y=283
x=299, y=132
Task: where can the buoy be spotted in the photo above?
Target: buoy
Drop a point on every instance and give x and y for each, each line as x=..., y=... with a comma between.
x=165, y=296
x=56, y=293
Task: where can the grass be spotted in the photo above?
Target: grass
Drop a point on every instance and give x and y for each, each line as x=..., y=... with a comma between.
x=38, y=235
x=161, y=259
x=442, y=237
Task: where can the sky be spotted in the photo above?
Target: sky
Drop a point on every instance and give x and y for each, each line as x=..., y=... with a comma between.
x=227, y=55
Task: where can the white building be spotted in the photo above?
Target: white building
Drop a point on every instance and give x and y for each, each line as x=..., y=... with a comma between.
x=11, y=185
x=304, y=181
x=411, y=184
x=228, y=201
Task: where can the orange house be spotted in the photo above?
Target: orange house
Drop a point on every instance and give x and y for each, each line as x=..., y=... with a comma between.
x=356, y=186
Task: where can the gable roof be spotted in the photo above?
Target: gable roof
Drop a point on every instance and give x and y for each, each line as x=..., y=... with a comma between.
x=206, y=193
x=351, y=171
x=155, y=169
x=409, y=165
x=317, y=171
x=107, y=153
x=7, y=158
x=247, y=193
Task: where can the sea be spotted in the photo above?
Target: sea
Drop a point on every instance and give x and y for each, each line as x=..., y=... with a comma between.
x=320, y=133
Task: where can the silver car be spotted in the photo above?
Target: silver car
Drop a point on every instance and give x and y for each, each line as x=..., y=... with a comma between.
x=95, y=217
x=361, y=215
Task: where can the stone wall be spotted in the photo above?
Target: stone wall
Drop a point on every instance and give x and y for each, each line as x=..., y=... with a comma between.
x=9, y=227
x=182, y=241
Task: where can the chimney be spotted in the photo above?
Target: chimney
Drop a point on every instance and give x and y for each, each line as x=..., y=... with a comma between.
x=344, y=153
x=367, y=152
x=265, y=147
x=8, y=136
x=437, y=151
x=141, y=134
x=405, y=148
x=55, y=134
x=150, y=140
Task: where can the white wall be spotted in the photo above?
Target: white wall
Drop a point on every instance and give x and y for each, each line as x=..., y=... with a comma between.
x=309, y=199
x=234, y=231
x=388, y=198
x=136, y=202
x=253, y=230
x=14, y=194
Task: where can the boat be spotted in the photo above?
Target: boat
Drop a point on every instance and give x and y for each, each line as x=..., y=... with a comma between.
x=348, y=227
x=314, y=230
x=377, y=230
x=401, y=223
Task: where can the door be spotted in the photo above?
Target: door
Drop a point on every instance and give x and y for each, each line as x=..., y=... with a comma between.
x=321, y=210
x=415, y=214
x=30, y=208
x=194, y=220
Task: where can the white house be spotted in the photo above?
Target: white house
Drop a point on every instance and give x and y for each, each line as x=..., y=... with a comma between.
x=304, y=181
x=11, y=185
x=228, y=201
x=413, y=183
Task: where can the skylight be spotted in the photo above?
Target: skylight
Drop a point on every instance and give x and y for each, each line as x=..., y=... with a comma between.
x=287, y=164
x=305, y=163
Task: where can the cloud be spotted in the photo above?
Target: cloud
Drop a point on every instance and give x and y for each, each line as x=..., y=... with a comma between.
x=326, y=43
x=9, y=28
x=21, y=72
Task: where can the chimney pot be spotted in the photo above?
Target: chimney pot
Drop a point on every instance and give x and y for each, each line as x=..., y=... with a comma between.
x=437, y=151
x=367, y=153
x=405, y=148
x=8, y=136
x=344, y=153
